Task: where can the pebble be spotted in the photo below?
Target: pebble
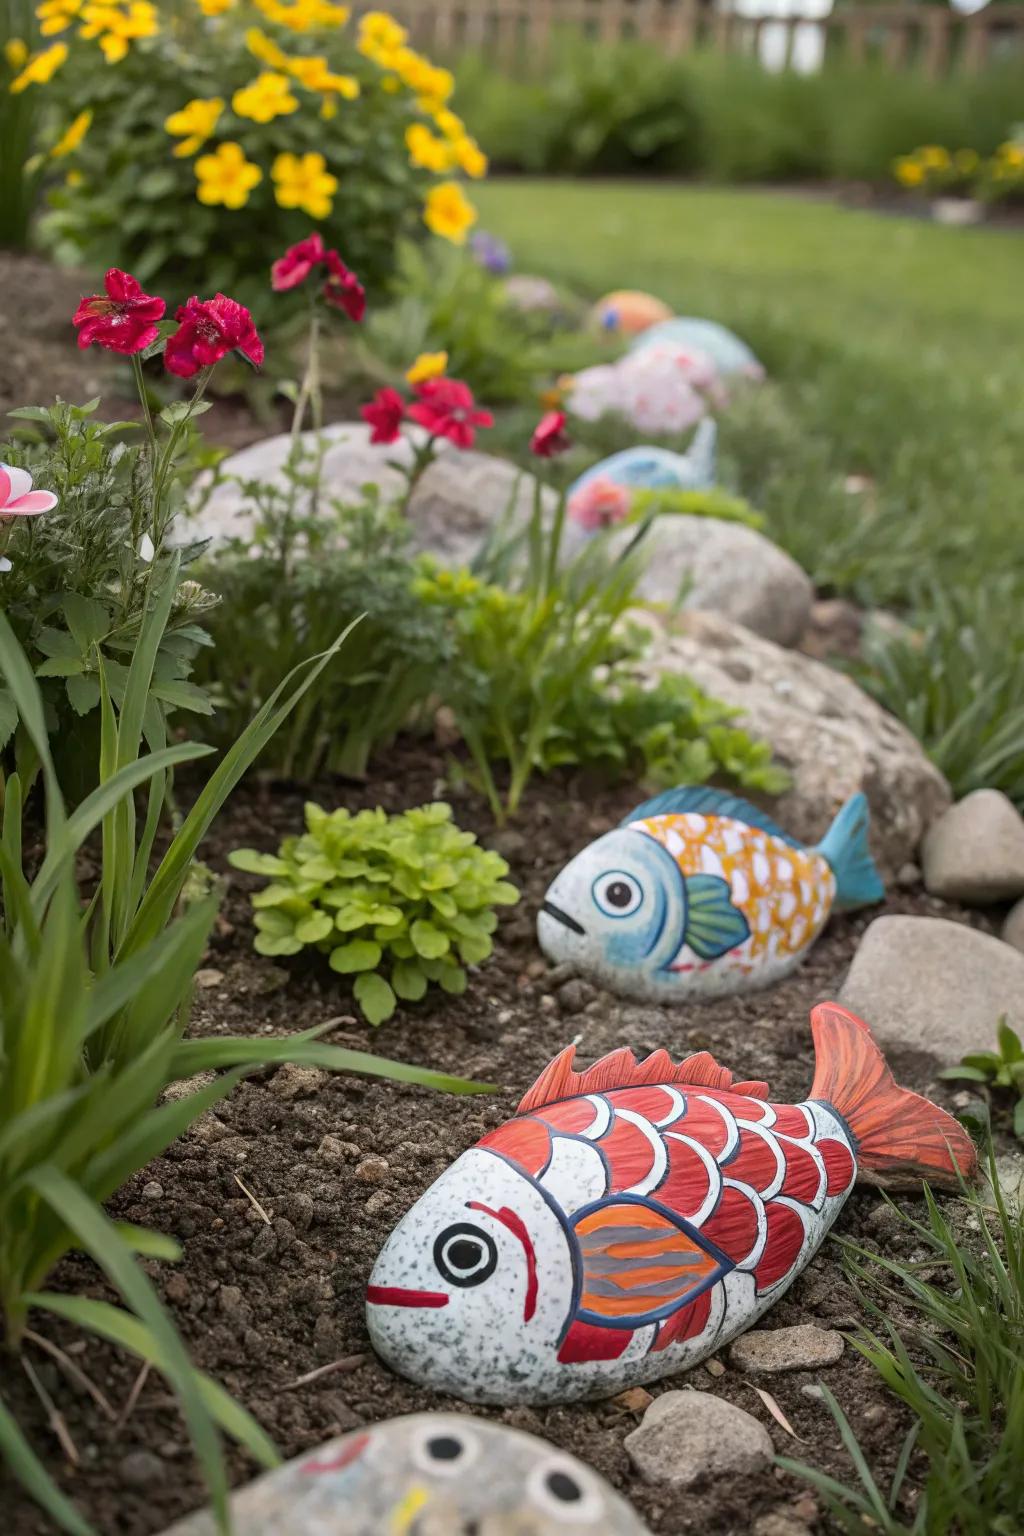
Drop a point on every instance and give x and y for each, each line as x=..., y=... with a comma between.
x=686, y=1437
x=875, y=1413
x=975, y=852
x=141, y=1469
x=292, y=1082
x=634, y=1399
x=233, y=1304
x=815, y=1392
x=779, y=1522
x=801, y=1348
x=547, y=1003
x=209, y=977
x=336, y=1152
x=373, y=1170
x=378, y=1202
x=574, y=996
x=152, y=1190
x=908, y=876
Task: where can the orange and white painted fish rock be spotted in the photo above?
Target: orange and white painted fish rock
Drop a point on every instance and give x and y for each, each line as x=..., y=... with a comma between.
x=633, y=1218
x=699, y=894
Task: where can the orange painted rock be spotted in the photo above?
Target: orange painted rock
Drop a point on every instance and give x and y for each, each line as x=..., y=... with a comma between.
x=629, y=311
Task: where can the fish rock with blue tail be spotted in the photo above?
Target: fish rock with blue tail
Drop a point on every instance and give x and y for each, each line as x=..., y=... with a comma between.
x=633, y=1218
x=698, y=894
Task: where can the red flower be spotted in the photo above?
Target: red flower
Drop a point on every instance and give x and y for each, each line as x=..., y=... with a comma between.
x=447, y=409
x=343, y=289
x=208, y=330
x=549, y=437
x=297, y=263
x=123, y=320
x=384, y=413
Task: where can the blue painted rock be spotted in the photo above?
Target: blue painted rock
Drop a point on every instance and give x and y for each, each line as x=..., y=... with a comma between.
x=648, y=468
x=431, y=1474
x=699, y=894
x=729, y=354
x=634, y=1217
x=628, y=311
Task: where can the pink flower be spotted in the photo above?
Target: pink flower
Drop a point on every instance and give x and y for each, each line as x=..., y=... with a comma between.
x=123, y=320
x=297, y=263
x=599, y=503
x=384, y=414
x=17, y=498
x=208, y=330
x=446, y=408
x=343, y=289
x=549, y=436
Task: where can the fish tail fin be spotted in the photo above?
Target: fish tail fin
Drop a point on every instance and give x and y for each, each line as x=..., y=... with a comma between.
x=900, y=1136
x=703, y=452
x=845, y=849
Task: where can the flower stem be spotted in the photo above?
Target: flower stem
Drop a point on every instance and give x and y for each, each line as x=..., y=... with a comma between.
x=147, y=415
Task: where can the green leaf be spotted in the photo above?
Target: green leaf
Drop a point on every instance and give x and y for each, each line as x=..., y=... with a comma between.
x=33, y=1476
x=408, y=981
x=61, y=666
x=88, y=619
x=359, y=955
x=374, y=997
x=474, y=949
x=453, y=979
x=193, y=1056
x=429, y=941
x=83, y=693
x=8, y=717
x=314, y=928
x=183, y=695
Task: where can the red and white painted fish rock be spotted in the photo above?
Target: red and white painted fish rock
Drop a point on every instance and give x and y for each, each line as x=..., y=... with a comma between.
x=633, y=1218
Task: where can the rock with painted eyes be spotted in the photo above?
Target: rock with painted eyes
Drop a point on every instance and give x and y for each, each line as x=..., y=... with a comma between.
x=431, y=1474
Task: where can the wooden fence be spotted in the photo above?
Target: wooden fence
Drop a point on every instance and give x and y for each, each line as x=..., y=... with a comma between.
x=521, y=32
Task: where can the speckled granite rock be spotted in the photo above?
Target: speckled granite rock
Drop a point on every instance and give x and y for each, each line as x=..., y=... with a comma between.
x=688, y=1436
x=801, y=1348
x=1013, y=928
x=437, y=1474
x=975, y=852
x=831, y=736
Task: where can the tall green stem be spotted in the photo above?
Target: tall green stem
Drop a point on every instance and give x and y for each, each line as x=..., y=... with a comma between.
x=147, y=415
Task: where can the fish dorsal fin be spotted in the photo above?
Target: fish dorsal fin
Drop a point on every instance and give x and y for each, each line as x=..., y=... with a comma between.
x=620, y=1069
x=703, y=801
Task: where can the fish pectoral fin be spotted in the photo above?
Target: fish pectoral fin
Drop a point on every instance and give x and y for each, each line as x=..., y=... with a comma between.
x=713, y=924
x=639, y=1262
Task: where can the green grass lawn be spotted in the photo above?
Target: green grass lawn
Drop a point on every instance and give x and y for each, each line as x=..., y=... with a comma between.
x=894, y=346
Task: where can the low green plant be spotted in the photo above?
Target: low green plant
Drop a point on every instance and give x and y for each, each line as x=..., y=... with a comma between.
x=955, y=1367
x=94, y=1010
x=19, y=186
x=954, y=674
x=399, y=902
x=714, y=503
x=1002, y=1068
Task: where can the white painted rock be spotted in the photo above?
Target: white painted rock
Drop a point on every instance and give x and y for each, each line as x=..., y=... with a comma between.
x=435, y=1474
x=975, y=852
x=926, y=984
x=831, y=736
x=804, y=1347
x=689, y=1437
x=723, y=568
x=1013, y=928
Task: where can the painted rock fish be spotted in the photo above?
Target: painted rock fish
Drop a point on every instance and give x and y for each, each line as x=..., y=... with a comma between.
x=633, y=1218
x=699, y=894
x=430, y=1474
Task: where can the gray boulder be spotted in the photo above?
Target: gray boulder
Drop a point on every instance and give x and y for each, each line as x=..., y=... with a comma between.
x=688, y=1437
x=975, y=852
x=532, y=295
x=724, y=568
x=1013, y=928
x=926, y=985
x=830, y=735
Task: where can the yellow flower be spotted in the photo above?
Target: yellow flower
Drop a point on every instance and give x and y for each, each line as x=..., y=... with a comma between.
x=215, y=7
x=73, y=135
x=1011, y=153
x=259, y=44
x=448, y=212
x=114, y=47
x=933, y=157
x=301, y=15
x=966, y=161
x=194, y=124
x=41, y=67
x=908, y=171
x=391, y=84
x=429, y=365
x=425, y=151
x=303, y=181
x=57, y=15
x=315, y=75
x=226, y=177
x=73, y=179
x=15, y=52
x=469, y=157
x=328, y=108
x=268, y=96
x=379, y=35
x=449, y=123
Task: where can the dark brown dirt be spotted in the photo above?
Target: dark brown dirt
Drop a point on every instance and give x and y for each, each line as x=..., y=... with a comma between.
x=262, y=1303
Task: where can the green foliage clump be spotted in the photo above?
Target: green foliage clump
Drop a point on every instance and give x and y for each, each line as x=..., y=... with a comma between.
x=411, y=895
x=1002, y=1068
x=713, y=503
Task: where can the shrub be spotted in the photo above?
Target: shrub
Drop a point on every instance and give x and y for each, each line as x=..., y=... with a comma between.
x=714, y=503
x=18, y=181
x=410, y=893
x=1002, y=1068
x=217, y=134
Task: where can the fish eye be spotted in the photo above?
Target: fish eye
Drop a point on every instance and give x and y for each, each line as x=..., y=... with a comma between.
x=465, y=1255
x=562, y=1490
x=617, y=894
x=445, y=1452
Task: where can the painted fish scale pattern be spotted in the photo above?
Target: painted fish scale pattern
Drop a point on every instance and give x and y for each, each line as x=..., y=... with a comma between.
x=785, y=893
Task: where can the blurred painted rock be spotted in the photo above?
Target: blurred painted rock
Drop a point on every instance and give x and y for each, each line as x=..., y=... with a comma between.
x=628, y=311
x=729, y=354
x=432, y=1474
x=975, y=853
x=644, y=468
x=662, y=390
x=831, y=736
x=929, y=985
x=532, y=295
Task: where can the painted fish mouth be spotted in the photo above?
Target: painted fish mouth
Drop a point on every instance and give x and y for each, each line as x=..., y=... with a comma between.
x=562, y=917
x=401, y=1296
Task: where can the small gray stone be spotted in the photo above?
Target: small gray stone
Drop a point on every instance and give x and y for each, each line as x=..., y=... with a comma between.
x=372, y=1170
x=292, y=1082
x=779, y=1522
x=926, y=984
x=209, y=977
x=575, y=995
x=801, y=1348
x=975, y=852
x=686, y=1437
x=142, y=1469
x=337, y=1153
x=152, y=1190
x=1013, y=928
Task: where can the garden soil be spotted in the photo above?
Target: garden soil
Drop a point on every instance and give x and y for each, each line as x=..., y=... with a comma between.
x=283, y=1196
